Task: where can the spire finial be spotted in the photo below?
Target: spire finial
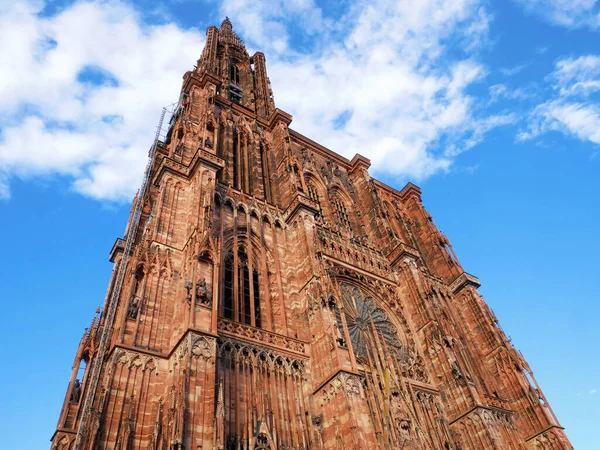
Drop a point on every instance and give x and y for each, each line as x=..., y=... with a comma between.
x=226, y=24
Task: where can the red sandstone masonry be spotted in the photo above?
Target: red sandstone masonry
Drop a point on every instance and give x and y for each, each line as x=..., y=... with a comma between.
x=279, y=297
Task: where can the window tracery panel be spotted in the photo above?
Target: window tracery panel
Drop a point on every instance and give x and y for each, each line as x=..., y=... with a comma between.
x=241, y=290
x=367, y=324
x=341, y=211
x=313, y=194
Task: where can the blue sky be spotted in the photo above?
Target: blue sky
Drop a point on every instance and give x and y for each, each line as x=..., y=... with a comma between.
x=490, y=106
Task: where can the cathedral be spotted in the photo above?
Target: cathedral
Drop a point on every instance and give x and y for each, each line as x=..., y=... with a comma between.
x=270, y=294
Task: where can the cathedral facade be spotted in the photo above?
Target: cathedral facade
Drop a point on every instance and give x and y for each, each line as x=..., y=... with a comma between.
x=276, y=296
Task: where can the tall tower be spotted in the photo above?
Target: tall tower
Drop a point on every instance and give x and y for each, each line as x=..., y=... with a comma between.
x=270, y=294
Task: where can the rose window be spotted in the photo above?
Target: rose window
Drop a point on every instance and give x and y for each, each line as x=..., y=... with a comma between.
x=367, y=325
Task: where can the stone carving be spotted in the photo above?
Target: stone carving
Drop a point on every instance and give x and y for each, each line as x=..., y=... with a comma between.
x=262, y=336
x=132, y=359
x=260, y=356
x=203, y=294
x=364, y=318
x=348, y=383
x=76, y=392
x=331, y=389
x=134, y=306
x=202, y=348
x=352, y=384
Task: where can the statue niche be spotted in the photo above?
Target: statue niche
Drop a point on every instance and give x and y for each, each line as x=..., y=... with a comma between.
x=134, y=306
x=76, y=392
x=203, y=294
x=203, y=288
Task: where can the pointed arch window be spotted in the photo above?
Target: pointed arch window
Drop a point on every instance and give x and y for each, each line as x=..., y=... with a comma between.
x=341, y=212
x=313, y=194
x=235, y=160
x=234, y=73
x=241, y=290
x=235, y=91
x=256, y=305
x=228, y=288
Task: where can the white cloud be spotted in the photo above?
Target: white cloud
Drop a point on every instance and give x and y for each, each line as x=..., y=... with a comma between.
x=55, y=123
x=566, y=13
x=592, y=392
x=498, y=91
x=578, y=76
x=510, y=71
x=475, y=133
x=574, y=110
x=399, y=72
x=571, y=118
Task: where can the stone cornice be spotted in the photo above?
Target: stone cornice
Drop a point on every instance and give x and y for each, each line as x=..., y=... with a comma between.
x=425, y=387
x=388, y=189
x=299, y=203
x=190, y=331
x=133, y=348
x=279, y=116
x=402, y=251
x=64, y=431
x=548, y=428
x=409, y=190
x=480, y=407
x=359, y=161
x=177, y=168
x=463, y=280
x=118, y=247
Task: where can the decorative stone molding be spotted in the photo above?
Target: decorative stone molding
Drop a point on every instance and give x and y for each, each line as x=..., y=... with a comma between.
x=410, y=190
x=353, y=251
x=402, y=251
x=279, y=116
x=463, y=280
x=359, y=161
x=259, y=356
x=347, y=382
x=118, y=247
x=133, y=359
x=170, y=165
x=298, y=204
x=549, y=438
x=260, y=336
x=194, y=345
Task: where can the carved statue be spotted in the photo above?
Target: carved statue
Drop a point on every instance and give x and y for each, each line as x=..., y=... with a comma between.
x=76, y=392
x=208, y=143
x=188, y=287
x=133, y=308
x=203, y=295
